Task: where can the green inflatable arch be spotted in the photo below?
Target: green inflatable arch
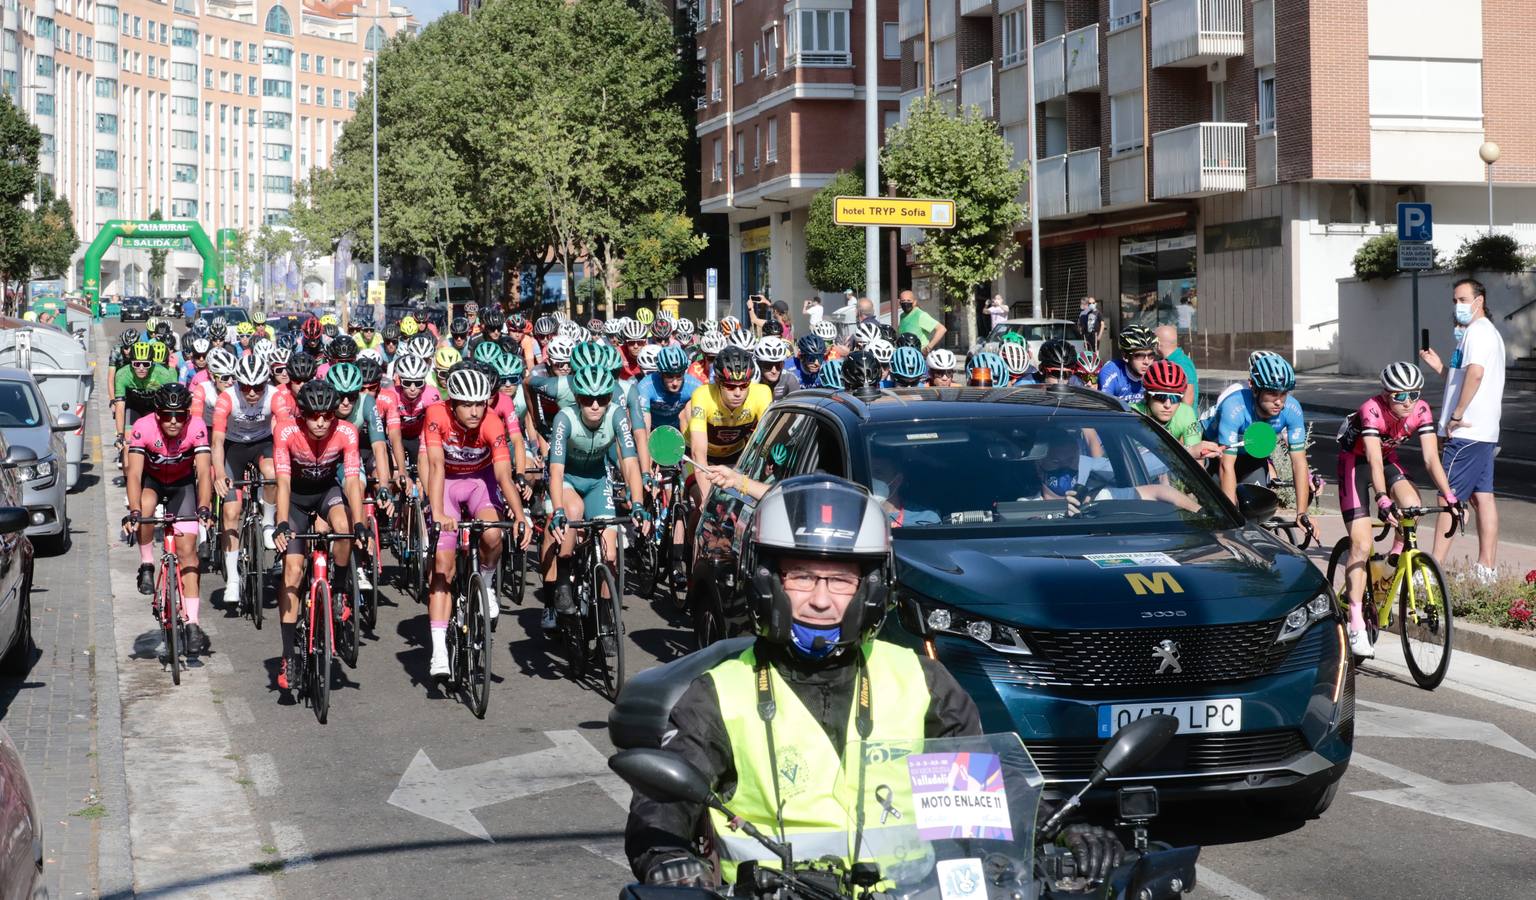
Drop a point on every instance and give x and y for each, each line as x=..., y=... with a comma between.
x=155, y=235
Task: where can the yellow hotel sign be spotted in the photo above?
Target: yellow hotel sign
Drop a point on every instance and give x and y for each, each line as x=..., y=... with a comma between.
x=894, y=211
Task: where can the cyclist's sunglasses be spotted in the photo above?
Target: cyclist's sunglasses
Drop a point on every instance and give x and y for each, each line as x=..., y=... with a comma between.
x=279, y=370
x=347, y=398
x=224, y=378
x=175, y=415
x=319, y=416
x=1405, y=396
x=735, y=385
x=141, y=364
x=413, y=383
x=1142, y=354
x=1165, y=398
x=599, y=400
x=1059, y=373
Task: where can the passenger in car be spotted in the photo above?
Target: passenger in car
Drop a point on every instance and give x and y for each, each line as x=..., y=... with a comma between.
x=886, y=479
x=1065, y=473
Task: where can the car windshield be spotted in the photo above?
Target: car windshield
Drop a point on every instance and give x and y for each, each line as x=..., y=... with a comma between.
x=232, y=315
x=1038, y=473
x=1036, y=331
x=18, y=406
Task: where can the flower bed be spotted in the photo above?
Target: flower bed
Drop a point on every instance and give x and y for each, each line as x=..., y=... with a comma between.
x=1509, y=602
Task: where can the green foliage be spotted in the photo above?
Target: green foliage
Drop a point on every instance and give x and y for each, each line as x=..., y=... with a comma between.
x=655, y=248
x=19, y=145
x=834, y=254
x=961, y=157
x=1509, y=602
x=52, y=239
x=156, y=262
x=1377, y=258
x=1490, y=253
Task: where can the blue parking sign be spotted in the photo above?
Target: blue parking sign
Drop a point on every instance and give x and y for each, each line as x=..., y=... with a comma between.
x=1415, y=222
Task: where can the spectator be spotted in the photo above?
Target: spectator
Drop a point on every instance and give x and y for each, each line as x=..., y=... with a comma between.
x=758, y=311
x=812, y=310
x=781, y=313
x=1186, y=314
x=1469, y=421
x=998, y=310
x=866, y=311
x=1090, y=324
x=188, y=308
x=1168, y=348
x=915, y=321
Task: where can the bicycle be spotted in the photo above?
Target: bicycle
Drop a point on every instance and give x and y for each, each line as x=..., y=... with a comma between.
x=410, y=543
x=659, y=558
x=250, y=569
x=166, y=605
x=512, y=572
x=1424, y=619
x=596, y=631
x=469, y=626
x=1292, y=528
x=316, y=638
x=372, y=556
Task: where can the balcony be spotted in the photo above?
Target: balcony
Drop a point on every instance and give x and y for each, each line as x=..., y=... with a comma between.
x=1196, y=32
x=1082, y=52
x=1051, y=187
x=1127, y=180
x=1198, y=160
x=1050, y=67
x=976, y=88
x=1083, y=188
x=976, y=7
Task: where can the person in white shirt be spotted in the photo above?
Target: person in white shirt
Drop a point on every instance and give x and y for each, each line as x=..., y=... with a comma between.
x=813, y=311
x=1469, y=421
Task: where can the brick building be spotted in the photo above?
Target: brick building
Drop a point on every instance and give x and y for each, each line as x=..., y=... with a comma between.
x=1216, y=163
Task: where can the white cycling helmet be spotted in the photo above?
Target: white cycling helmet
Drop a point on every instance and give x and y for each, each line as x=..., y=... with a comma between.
x=1015, y=357
x=709, y=326
x=199, y=346
x=263, y=348
x=634, y=331
x=1402, y=376
x=742, y=338
x=575, y=333
x=279, y=356
x=883, y=350
x=684, y=327
x=613, y=326
x=712, y=343
x=421, y=345
x=410, y=367
x=866, y=334
x=942, y=360
x=647, y=358
x=559, y=349
x=773, y=349
x=252, y=370
x=825, y=330
x=221, y=362
x=469, y=385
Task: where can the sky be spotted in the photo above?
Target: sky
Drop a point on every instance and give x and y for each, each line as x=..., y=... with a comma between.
x=427, y=10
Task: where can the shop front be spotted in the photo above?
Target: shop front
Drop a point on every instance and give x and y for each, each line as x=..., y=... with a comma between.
x=1157, y=281
x=755, y=241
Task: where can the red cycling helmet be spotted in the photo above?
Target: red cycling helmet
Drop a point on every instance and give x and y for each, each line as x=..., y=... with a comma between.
x=312, y=328
x=1165, y=377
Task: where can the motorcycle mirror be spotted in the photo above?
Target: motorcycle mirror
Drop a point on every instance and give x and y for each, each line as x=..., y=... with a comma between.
x=1132, y=746
x=662, y=775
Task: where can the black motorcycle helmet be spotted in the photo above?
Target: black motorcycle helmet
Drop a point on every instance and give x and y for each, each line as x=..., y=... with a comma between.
x=316, y=396
x=818, y=517
x=1057, y=354
x=301, y=367
x=861, y=372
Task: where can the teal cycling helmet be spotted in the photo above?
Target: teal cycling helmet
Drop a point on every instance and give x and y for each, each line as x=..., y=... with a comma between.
x=509, y=367
x=832, y=375
x=592, y=381
x=587, y=355
x=487, y=352
x=672, y=360
x=994, y=363
x=610, y=357
x=1271, y=372
x=908, y=366
x=345, y=377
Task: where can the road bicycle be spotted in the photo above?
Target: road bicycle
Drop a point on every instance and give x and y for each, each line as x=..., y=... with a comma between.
x=1299, y=534
x=594, y=635
x=659, y=557
x=315, y=636
x=1423, y=616
x=372, y=558
x=251, y=570
x=512, y=571
x=410, y=542
x=167, y=606
x=469, y=625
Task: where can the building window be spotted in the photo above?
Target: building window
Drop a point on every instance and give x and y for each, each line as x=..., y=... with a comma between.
x=44, y=105
x=239, y=54
x=184, y=106
x=250, y=85
x=319, y=96
x=757, y=57
x=739, y=67
x=303, y=93
x=771, y=49
x=716, y=89
x=183, y=209
x=319, y=65
x=277, y=184
x=714, y=10
x=1266, y=76
x=43, y=28
x=740, y=164
x=207, y=78
x=375, y=39
x=45, y=67
x=183, y=72
x=819, y=37
x=278, y=21
x=1125, y=122
x=336, y=97
x=303, y=62
x=106, y=123
x=280, y=152
x=186, y=7
x=184, y=173
x=771, y=152
x=278, y=56
x=106, y=88
x=106, y=159
x=1157, y=277
x=183, y=37
x=757, y=147
x=276, y=87
x=183, y=140
x=1014, y=44
x=106, y=52
x=1123, y=14
x=351, y=99
x=106, y=198
x=106, y=15
x=890, y=44
x=717, y=173
x=277, y=120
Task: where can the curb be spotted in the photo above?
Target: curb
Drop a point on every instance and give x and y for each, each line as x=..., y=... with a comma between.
x=1500, y=644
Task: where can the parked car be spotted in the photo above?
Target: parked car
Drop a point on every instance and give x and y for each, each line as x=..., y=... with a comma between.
x=26, y=425
x=233, y=315
x=135, y=309
x=1153, y=593
x=21, y=829
x=1035, y=333
x=16, y=644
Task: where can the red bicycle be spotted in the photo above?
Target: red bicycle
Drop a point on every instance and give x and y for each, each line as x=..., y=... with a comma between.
x=166, y=605
x=315, y=636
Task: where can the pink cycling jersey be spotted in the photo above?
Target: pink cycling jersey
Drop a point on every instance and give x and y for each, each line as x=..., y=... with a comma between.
x=506, y=410
x=312, y=464
x=411, y=416
x=1374, y=418
x=168, y=460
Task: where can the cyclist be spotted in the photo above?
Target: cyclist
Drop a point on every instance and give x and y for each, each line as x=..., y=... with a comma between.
x=205, y=393
x=195, y=369
x=882, y=350
x=134, y=387
x=1016, y=358
x=908, y=368
x=1164, y=402
x=1122, y=377
x=1368, y=460
x=1267, y=398
x=941, y=367
x=710, y=346
x=861, y=371
x=511, y=404
x=446, y=358
x=1058, y=364
x=772, y=352
x=466, y=445
x=244, y=418
x=811, y=355
x=724, y=414
x=306, y=457
x=986, y=369
x=359, y=408
x=389, y=344
x=404, y=408
x=585, y=442
x=664, y=395
x=458, y=337
x=168, y=464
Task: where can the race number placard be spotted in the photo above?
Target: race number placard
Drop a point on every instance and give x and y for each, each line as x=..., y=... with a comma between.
x=959, y=795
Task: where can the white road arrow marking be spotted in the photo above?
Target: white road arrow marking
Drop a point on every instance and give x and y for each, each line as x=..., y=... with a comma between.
x=451, y=796
x=1381, y=720
x=1502, y=805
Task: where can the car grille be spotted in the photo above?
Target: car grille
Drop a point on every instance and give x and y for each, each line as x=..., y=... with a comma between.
x=1188, y=754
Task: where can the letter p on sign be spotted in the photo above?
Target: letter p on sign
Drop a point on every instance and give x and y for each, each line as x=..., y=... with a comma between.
x=1415, y=222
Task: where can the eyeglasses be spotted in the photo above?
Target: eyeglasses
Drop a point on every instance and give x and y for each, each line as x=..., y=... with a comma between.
x=601, y=400
x=1059, y=373
x=346, y=398
x=1141, y=355
x=1165, y=398
x=224, y=378
x=252, y=388
x=319, y=416
x=141, y=364
x=175, y=415
x=1405, y=396
x=279, y=370
x=413, y=383
x=837, y=585
x=735, y=385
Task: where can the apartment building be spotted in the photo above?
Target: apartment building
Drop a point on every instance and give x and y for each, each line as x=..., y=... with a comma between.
x=1215, y=164
x=203, y=109
x=781, y=112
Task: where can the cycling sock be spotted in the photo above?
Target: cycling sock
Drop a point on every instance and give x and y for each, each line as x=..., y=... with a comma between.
x=288, y=629
x=1357, y=616
x=267, y=512
x=190, y=605
x=439, y=639
x=146, y=554
x=1397, y=546
x=232, y=573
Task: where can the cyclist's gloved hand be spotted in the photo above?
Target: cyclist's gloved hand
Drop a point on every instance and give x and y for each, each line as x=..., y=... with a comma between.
x=649, y=481
x=284, y=530
x=640, y=514
x=132, y=519
x=1386, y=508
x=205, y=513
x=1096, y=850
x=381, y=496
x=1450, y=499
x=679, y=870
x=361, y=532
x=557, y=519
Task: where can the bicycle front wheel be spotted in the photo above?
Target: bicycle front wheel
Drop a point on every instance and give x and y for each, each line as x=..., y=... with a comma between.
x=251, y=569
x=324, y=639
x=350, y=630
x=610, y=629
x=375, y=561
x=477, y=646
x=170, y=606
x=1424, y=611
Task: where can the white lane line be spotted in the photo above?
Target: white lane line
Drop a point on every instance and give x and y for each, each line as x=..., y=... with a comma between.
x=262, y=769
x=1396, y=773
x=1476, y=676
x=1222, y=886
x=611, y=849
x=239, y=711
x=292, y=850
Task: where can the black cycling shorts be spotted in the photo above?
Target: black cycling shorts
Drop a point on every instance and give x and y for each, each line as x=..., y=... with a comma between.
x=303, y=508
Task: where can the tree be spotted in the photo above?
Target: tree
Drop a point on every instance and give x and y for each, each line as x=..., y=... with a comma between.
x=20, y=142
x=156, y=262
x=834, y=254
x=655, y=248
x=964, y=158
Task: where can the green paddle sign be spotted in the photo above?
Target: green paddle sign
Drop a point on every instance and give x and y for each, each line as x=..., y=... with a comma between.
x=1259, y=440
x=666, y=446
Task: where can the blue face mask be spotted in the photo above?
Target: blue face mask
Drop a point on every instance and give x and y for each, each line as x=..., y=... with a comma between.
x=803, y=639
x=1463, y=314
x=1060, y=481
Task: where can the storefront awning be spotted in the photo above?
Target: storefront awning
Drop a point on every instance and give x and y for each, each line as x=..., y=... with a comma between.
x=1109, y=229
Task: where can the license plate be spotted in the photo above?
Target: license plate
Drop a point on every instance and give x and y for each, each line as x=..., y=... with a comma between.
x=1195, y=716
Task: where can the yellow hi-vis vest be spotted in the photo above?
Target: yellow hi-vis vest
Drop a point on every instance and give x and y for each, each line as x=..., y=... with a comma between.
x=817, y=784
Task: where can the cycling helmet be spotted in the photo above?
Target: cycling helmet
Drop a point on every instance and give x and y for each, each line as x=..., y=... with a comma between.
x=173, y=397
x=712, y=343
x=684, y=328
x=469, y=385
x=370, y=369
x=128, y=338
x=345, y=378
x=1402, y=376
x=612, y=327
x=411, y=368
x=734, y=364
x=221, y=362
x=773, y=350
x=1165, y=377
x=263, y=348
x=647, y=358
x=773, y=327
x=509, y=367
x=942, y=360
x=516, y=323
x=633, y=330
x=661, y=329
x=592, y=382
x=471, y=307
x=252, y=370
x=492, y=320
x=315, y=397
x=421, y=345
x=742, y=338
x=285, y=340
x=1011, y=337
x=907, y=366
x=671, y=361
x=729, y=325
x=990, y=365
x=908, y=339
x=141, y=351
x=343, y=349
x=329, y=319
x=1137, y=338
x=409, y=326
x=199, y=346
x=589, y=354
x=459, y=327
x=861, y=370
x=162, y=327
x=158, y=351
x=825, y=330
x=279, y=356
x=1015, y=357
x=812, y=346
x=831, y=375
x=311, y=329
x=559, y=349
x=446, y=358
x=709, y=325
x=1057, y=354
x=245, y=328
x=301, y=367
x=200, y=327
x=882, y=350
x=218, y=324
x=392, y=332
x=573, y=331
x=546, y=325
x=866, y=334
x=1272, y=372
x=487, y=352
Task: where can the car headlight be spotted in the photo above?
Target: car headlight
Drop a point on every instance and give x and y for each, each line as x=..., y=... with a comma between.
x=1298, y=620
x=1000, y=637
x=43, y=468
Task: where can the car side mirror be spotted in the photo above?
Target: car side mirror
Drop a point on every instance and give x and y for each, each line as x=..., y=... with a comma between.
x=13, y=519
x=66, y=422
x=1256, y=502
x=19, y=456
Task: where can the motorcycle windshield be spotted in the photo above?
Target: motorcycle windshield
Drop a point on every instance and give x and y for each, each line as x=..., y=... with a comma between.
x=947, y=818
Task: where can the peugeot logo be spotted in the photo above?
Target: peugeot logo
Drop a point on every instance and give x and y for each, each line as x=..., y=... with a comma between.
x=1166, y=655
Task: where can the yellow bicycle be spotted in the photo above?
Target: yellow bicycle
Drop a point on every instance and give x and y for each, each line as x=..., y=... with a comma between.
x=1423, y=611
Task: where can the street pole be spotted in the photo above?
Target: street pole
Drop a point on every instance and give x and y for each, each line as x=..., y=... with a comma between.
x=1036, y=274
x=872, y=150
x=1489, y=153
x=378, y=265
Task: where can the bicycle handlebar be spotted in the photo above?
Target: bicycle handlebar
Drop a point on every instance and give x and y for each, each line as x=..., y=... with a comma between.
x=166, y=520
x=1458, y=517
x=322, y=536
x=599, y=522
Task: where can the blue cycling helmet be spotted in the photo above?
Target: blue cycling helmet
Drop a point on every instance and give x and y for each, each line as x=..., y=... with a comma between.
x=907, y=366
x=672, y=360
x=1271, y=372
x=994, y=363
x=813, y=346
x=832, y=375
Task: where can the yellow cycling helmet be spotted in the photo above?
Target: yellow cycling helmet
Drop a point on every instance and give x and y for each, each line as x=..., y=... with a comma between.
x=159, y=350
x=141, y=352
x=409, y=326
x=328, y=319
x=245, y=328
x=447, y=358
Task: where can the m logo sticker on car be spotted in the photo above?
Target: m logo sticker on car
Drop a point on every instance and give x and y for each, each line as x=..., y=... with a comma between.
x=1156, y=583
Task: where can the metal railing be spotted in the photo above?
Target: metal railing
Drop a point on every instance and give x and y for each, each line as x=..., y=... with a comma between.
x=976, y=88
x=1193, y=32
x=1051, y=190
x=1202, y=158
x=1082, y=52
x=1050, y=64
x=1083, y=187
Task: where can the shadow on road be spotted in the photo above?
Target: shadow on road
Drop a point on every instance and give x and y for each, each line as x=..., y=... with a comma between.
x=663, y=644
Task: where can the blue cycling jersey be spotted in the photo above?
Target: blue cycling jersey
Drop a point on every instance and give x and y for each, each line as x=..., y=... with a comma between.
x=664, y=406
x=806, y=379
x=1238, y=411
x=1116, y=380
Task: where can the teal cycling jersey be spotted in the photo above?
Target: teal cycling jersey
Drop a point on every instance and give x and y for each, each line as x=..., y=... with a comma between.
x=558, y=389
x=587, y=452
